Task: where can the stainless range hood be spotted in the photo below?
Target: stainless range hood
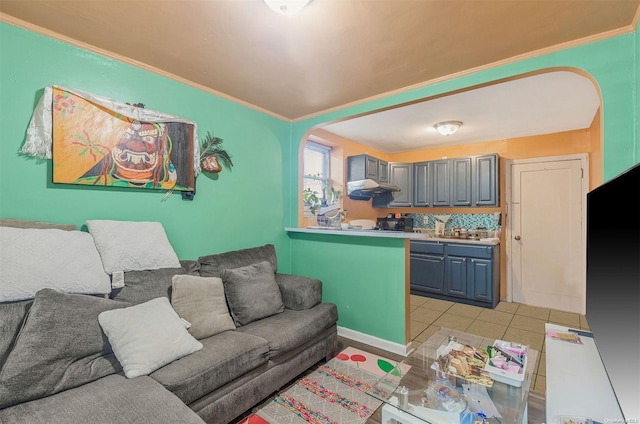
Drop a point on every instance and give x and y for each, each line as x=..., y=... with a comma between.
x=366, y=189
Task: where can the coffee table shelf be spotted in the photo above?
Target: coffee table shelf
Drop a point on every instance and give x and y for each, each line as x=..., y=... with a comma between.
x=407, y=400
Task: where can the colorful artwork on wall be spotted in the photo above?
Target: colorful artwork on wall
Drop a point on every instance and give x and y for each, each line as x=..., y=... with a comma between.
x=95, y=145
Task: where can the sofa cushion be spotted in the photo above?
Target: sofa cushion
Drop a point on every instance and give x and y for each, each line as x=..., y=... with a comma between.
x=132, y=246
x=112, y=399
x=47, y=357
x=201, y=301
x=252, y=292
x=223, y=358
x=291, y=329
x=213, y=265
x=40, y=258
x=142, y=286
x=147, y=336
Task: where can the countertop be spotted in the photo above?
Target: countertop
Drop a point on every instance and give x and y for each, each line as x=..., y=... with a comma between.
x=390, y=234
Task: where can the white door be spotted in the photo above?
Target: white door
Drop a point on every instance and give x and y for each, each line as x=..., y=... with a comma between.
x=546, y=234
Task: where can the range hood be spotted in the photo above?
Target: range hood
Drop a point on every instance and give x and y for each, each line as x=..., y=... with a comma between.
x=366, y=189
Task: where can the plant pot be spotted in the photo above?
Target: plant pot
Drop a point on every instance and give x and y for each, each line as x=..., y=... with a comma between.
x=210, y=164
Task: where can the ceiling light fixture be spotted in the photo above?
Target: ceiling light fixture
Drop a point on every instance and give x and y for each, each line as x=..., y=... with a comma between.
x=287, y=7
x=447, y=127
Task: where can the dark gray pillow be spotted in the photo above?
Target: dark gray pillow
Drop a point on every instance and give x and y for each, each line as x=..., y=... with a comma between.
x=142, y=286
x=214, y=265
x=12, y=315
x=60, y=346
x=252, y=292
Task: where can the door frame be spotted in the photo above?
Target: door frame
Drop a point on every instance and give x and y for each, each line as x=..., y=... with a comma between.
x=584, y=160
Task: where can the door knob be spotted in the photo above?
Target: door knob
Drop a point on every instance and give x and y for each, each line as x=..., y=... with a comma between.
x=517, y=238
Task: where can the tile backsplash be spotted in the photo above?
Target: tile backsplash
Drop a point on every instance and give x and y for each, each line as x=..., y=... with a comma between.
x=462, y=220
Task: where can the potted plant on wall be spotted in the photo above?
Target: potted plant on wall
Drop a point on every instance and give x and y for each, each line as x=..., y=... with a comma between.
x=213, y=155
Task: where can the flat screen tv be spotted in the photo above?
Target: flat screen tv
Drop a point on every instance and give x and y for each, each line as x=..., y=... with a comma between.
x=613, y=284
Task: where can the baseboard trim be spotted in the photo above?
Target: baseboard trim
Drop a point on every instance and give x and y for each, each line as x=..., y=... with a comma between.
x=374, y=341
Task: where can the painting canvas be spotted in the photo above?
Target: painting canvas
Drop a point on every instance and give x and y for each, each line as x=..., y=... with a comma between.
x=94, y=145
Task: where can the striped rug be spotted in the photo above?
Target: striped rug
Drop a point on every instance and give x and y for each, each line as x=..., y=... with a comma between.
x=335, y=392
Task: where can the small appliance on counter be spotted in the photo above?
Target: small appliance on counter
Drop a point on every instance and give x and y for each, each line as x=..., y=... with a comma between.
x=331, y=216
x=395, y=224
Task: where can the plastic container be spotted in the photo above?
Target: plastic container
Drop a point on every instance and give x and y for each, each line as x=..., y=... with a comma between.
x=506, y=376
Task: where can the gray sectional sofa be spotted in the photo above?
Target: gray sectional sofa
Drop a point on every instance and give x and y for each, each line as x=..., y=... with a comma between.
x=57, y=366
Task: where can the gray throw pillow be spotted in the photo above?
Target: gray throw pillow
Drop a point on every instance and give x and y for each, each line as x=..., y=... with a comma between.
x=142, y=286
x=214, y=265
x=252, y=292
x=60, y=346
x=201, y=301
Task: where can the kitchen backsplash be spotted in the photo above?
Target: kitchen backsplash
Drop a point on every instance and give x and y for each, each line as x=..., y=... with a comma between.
x=462, y=220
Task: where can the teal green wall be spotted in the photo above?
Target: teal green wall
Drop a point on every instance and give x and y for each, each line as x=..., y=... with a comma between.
x=364, y=276
x=241, y=208
x=613, y=64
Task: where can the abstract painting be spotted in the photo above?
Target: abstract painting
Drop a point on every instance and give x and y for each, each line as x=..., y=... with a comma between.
x=97, y=145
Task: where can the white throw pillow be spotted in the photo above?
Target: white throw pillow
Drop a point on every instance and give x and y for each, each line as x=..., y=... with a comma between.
x=147, y=336
x=35, y=259
x=132, y=246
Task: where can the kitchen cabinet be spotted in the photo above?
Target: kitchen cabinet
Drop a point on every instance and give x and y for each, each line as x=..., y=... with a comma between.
x=366, y=167
x=485, y=181
x=456, y=276
x=440, y=188
x=421, y=184
x=401, y=175
x=468, y=181
x=461, y=181
x=426, y=271
x=383, y=171
x=460, y=272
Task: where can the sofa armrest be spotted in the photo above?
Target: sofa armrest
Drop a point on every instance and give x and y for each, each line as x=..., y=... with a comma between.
x=298, y=292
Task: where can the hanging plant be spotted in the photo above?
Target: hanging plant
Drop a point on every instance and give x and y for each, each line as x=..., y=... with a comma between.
x=213, y=155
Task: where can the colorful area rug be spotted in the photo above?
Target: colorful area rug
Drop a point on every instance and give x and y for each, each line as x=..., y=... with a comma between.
x=334, y=393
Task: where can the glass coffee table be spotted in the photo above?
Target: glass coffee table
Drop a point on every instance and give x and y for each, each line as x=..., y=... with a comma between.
x=425, y=394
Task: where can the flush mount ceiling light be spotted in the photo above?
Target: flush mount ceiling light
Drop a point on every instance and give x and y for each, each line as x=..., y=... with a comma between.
x=447, y=127
x=287, y=7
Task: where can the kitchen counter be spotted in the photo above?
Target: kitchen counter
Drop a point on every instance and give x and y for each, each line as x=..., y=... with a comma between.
x=390, y=234
x=358, y=233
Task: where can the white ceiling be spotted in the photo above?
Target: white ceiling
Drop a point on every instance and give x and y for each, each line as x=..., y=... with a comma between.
x=540, y=104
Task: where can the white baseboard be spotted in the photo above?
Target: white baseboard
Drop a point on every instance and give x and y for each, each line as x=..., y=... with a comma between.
x=374, y=341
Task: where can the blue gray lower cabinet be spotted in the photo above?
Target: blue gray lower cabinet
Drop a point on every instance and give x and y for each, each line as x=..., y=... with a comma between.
x=458, y=272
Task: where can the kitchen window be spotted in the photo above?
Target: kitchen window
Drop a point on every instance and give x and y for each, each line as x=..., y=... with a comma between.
x=317, y=173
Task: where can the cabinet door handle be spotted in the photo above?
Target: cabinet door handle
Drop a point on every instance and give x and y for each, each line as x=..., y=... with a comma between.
x=517, y=238
x=473, y=261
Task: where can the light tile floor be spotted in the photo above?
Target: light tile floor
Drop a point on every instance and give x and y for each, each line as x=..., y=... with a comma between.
x=509, y=321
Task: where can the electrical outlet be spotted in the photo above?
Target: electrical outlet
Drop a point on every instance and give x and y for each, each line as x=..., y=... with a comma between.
x=425, y=219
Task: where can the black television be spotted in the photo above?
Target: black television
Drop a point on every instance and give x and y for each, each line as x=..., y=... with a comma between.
x=613, y=284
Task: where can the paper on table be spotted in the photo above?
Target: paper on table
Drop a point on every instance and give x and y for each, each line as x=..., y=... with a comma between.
x=478, y=400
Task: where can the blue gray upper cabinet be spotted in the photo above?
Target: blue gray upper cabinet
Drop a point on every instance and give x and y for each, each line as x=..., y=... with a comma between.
x=401, y=174
x=461, y=181
x=422, y=184
x=365, y=167
x=441, y=186
x=485, y=181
